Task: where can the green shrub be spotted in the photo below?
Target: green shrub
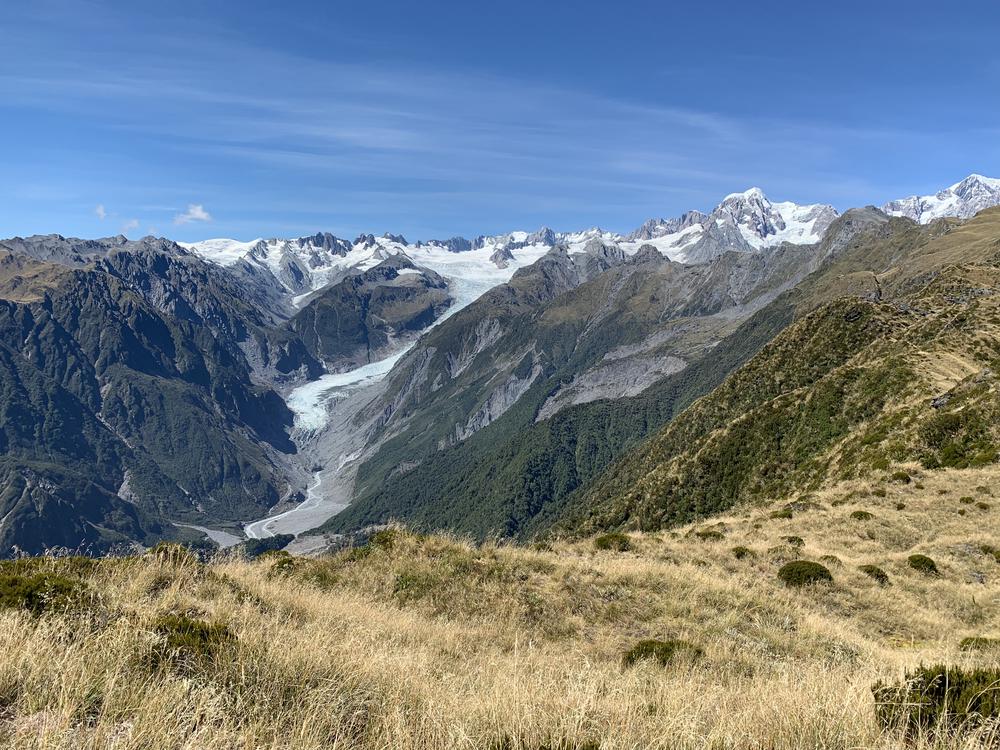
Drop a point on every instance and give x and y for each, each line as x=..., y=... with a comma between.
x=876, y=574
x=38, y=592
x=983, y=506
x=254, y=548
x=273, y=555
x=785, y=513
x=923, y=564
x=862, y=515
x=71, y=566
x=983, y=490
x=900, y=506
x=710, y=535
x=794, y=541
x=188, y=644
x=939, y=699
x=662, y=652
x=385, y=539
x=740, y=552
x=900, y=476
x=173, y=553
x=966, y=499
x=282, y=563
x=614, y=540
x=979, y=643
x=879, y=492
x=804, y=573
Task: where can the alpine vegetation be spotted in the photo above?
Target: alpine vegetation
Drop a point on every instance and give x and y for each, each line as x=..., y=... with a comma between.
x=428, y=376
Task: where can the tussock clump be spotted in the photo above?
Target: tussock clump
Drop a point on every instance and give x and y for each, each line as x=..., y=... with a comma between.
x=273, y=555
x=662, y=652
x=982, y=506
x=173, y=553
x=900, y=506
x=879, y=492
x=966, y=499
x=385, y=539
x=900, y=477
x=710, y=535
x=507, y=742
x=804, y=573
x=862, y=515
x=785, y=513
x=740, y=552
x=876, y=574
x=830, y=559
x=188, y=644
x=794, y=541
x=939, y=700
x=991, y=551
x=281, y=562
x=979, y=643
x=923, y=564
x=613, y=541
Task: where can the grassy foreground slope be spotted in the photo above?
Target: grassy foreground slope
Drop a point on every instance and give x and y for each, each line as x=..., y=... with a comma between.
x=429, y=642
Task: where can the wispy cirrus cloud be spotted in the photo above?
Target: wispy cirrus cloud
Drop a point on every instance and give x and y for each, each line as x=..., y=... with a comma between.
x=274, y=133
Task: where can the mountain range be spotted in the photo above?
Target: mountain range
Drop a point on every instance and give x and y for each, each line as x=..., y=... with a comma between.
x=503, y=385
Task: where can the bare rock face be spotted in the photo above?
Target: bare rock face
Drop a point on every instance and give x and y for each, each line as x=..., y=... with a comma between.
x=362, y=317
x=497, y=403
x=611, y=379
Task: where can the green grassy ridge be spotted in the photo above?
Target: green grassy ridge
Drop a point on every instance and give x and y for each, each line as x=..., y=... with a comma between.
x=758, y=435
x=513, y=477
x=844, y=392
x=516, y=477
x=514, y=467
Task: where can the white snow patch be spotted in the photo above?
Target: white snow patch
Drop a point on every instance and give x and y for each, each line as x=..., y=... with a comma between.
x=221, y=251
x=308, y=402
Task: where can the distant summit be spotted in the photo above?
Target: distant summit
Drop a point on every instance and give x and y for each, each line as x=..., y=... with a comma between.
x=962, y=200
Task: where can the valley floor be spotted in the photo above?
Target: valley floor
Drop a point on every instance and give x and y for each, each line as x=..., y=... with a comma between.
x=430, y=642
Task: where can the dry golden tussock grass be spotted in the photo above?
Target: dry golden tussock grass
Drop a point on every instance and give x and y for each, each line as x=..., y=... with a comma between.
x=431, y=642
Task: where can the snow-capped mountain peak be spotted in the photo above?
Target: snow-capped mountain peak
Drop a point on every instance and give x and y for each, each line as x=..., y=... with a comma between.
x=763, y=223
x=745, y=222
x=962, y=200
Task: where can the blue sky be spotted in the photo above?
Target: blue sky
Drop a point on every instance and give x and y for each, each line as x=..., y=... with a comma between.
x=246, y=119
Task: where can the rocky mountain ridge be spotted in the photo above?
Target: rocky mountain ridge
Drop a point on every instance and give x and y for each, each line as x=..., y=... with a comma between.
x=962, y=200
x=208, y=381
